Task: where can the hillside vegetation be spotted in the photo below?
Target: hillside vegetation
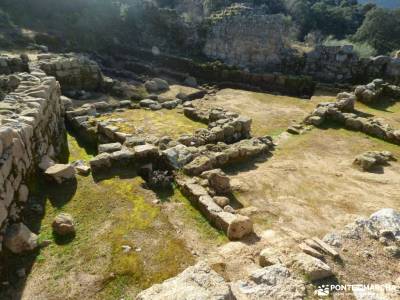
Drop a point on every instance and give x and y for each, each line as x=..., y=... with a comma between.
x=181, y=27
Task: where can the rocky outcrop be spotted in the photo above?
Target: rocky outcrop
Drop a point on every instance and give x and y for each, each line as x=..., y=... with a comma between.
x=196, y=282
x=384, y=224
x=31, y=128
x=273, y=282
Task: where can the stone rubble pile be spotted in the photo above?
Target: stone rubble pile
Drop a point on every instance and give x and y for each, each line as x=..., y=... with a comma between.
x=32, y=127
x=369, y=160
x=383, y=225
x=223, y=126
x=223, y=155
x=377, y=91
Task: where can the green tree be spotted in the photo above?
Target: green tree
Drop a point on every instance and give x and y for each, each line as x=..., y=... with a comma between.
x=381, y=30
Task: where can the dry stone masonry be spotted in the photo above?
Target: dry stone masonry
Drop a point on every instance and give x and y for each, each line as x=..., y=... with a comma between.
x=247, y=40
x=225, y=141
x=32, y=127
x=74, y=72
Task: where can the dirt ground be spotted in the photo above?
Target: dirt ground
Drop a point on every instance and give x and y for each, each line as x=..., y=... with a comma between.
x=309, y=184
x=307, y=187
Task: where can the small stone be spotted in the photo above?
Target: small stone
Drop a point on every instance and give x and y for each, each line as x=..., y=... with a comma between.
x=63, y=224
x=126, y=248
x=229, y=209
x=221, y=201
x=293, y=130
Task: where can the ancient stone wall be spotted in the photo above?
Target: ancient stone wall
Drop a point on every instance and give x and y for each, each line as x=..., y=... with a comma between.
x=31, y=126
x=248, y=40
x=341, y=64
x=74, y=72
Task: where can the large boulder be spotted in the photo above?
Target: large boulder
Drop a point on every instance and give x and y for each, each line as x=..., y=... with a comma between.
x=156, y=85
x=314, y=268
x=61, y=172
x=198, y=282
x=19, y=239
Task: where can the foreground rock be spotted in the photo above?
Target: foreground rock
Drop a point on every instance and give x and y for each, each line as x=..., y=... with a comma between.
x=273, y=282
x=313, y=268
x=196, y=282
x=63, y=224
x=60, y=172
x=20, y=239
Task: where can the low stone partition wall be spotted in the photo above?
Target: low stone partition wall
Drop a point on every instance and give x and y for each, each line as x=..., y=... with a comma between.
x=234, y=225
x=223, y=126
x=158, y=160
x=222, y=155
x=9, y=65
x=74, y=72
x=342, y=112
x=32, y=126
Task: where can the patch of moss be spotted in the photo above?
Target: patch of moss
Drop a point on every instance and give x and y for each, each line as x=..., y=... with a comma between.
x=158, y=123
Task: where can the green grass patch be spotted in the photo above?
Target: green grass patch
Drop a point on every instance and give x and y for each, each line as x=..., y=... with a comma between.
x=108, y=214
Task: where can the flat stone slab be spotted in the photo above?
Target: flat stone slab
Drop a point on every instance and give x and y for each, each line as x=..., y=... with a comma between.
x=109, y=148
x=61, y=172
